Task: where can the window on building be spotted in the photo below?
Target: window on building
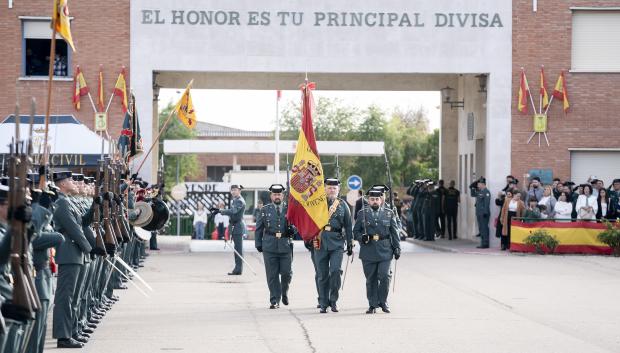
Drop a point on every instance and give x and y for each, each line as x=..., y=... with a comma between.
x=595, y=40
x=36, y=50
x=216, y=173
x=253, y=167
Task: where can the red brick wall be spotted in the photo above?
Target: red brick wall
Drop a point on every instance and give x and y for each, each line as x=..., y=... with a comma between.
x=593, y=121
x=101, y=36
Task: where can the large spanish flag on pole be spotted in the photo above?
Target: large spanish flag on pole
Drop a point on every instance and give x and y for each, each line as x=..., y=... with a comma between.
x=307, y=208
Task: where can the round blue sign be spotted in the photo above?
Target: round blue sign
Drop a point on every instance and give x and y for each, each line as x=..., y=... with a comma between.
x=354, y=182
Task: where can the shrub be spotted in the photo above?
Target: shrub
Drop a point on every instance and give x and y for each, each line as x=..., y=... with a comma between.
x=611, y=236
x=542, y=241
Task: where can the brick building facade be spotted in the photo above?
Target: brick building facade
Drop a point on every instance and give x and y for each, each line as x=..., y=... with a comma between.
x=544, y=37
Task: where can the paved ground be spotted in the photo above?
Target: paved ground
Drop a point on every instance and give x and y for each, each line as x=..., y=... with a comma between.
x=444, y=302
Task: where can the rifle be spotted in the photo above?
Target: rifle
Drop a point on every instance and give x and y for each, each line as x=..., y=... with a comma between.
x=97, y=213
x=109, y=236
x=25, y=299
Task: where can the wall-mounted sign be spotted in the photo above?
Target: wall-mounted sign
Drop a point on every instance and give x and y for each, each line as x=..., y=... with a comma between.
x=101, y=121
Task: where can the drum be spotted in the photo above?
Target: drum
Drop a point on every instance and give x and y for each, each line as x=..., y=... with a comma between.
x=161, y=214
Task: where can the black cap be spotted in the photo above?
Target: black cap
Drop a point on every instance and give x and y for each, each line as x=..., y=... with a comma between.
x=332, y=181
x=58, y=176
x=277, y=188
x=616, y=181
x=374, y=193
x=535, y=178
x=482, y=180
x=380, y=187
x=77, y=177
x=236, y=186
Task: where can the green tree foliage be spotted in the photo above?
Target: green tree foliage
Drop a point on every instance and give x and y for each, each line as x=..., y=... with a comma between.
x=412, y=150
x=188, y=164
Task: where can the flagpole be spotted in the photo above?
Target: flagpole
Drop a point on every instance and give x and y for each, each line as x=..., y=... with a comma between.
x=92, y=102
x=277, y=154
x=529, y=91
x=48, y=106
x=155, y=141
x=542, y=75
x=548, y=105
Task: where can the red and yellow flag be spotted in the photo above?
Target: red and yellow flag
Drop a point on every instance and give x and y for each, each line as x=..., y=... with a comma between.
x=61, y=22
x=185, y=108
x=120, y=89
x=543, y=91
x=79, y=87
x=524, y=90
x=100, y=90
x=307, y=202
x=560, y=91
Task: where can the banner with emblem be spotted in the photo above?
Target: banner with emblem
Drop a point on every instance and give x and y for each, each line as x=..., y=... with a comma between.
x=307, y=208
x=185, y=108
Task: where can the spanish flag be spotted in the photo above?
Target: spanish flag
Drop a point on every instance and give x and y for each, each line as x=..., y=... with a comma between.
x=80, y=87
x=100, y=90
x=60, y=21
x=307, y=208
x=185, y=108
x=560, y=91
x=524, y=90
x=543, y=91
x=120, y=89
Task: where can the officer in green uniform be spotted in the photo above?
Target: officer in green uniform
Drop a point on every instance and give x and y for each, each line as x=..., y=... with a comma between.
x=70, y=258
x=5, y=249
x=478, y=189
x=452, y=200
x=236, y=227
x=333, y=238
x=377, y=232
x=430, y=215
x=274, y=239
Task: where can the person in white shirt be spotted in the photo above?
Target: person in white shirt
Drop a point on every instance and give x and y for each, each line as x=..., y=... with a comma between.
x=200, y=221
x=563, y=208
x=548, y=201
x=221, y=222
x=586, y=204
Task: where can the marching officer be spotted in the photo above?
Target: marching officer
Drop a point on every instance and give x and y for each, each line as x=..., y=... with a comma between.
x=274, y=240
x=483, y=201
x=377, y=232
x=70, y=258
x=329, y=246
x=236, y=227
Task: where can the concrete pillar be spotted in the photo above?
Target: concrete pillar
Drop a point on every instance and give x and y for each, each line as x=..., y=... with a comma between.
x=448, y=143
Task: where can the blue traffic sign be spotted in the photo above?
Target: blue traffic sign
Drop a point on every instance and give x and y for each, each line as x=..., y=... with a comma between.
x=354, y=182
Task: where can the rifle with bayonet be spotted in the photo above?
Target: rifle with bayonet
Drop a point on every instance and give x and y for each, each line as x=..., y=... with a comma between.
x=25, y=301
x=99, y=241
x=109, y=236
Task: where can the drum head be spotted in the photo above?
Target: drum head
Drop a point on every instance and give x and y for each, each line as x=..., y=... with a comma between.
x=161, y=214
x=145, y=216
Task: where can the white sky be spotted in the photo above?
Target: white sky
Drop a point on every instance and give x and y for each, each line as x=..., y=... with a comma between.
x=256, y=109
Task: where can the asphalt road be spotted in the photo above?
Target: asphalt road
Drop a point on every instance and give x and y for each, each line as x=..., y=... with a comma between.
x=444, y=302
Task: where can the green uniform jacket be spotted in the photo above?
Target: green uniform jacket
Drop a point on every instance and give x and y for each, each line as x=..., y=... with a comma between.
x=340, y=225
x=235, y=213
x=483, y=201
x=6, y=291
x=69, y=223
x=267, y=225
x=383, y=224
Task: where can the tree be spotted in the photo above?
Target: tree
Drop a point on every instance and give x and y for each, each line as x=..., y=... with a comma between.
x=188, y=164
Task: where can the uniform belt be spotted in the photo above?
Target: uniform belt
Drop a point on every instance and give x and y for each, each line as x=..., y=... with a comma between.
x=330, y=229
x=377, y=237
x=279, y=235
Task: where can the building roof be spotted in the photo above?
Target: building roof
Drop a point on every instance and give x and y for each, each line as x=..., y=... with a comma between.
x=204, y=129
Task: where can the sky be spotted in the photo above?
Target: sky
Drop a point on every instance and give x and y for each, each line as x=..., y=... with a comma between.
x=256, y=109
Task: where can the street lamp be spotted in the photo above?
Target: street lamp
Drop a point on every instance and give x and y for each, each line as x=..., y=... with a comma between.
x=445, y=92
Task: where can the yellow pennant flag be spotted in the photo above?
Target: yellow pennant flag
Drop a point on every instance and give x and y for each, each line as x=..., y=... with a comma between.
x=60, y=21
x=185, y=109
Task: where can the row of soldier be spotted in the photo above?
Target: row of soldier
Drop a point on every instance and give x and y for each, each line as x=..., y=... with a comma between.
x=376, y=230
x=79, y=227
x=433, y=209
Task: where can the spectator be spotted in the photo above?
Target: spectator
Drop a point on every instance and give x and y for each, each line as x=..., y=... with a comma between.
x=532, y=214
x=534, y=191
x=499, y=202
x=548, y=201
x=604, y=205
x=200, y=221
x=557, y=190
x=513, y=207
x=563, y=208
x=221, y=222
x=586, y=206
x=509, y=182
x=614, y=193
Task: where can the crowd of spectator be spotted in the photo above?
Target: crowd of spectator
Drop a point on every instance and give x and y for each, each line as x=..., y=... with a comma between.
x=561, y=201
